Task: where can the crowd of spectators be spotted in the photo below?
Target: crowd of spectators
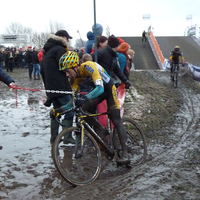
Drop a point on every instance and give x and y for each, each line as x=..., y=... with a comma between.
x=13, y=57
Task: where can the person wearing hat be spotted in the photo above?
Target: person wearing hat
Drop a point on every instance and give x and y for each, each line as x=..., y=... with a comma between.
x=124, y=58
x=55, y=80
x=108, y=58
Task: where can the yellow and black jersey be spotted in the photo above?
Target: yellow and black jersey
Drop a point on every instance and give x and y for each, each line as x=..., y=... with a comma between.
x=94, y=71
x=174, y=56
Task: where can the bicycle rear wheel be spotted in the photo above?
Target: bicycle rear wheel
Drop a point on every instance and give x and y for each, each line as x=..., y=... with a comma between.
x=137, y=147
x=78, y=166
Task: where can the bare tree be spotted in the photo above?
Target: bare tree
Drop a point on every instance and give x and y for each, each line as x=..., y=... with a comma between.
x=36, y=39
x=79, y=43
x=55, y=26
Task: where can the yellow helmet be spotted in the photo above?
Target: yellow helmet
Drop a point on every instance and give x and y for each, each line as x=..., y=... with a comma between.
x=176, y=48
x=68, y=60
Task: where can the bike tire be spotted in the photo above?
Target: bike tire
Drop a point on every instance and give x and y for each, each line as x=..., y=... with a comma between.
x=136, y=142
x=80, y=170
x=176, y=80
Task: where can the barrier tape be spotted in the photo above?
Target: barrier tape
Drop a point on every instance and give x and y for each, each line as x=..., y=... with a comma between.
x=36, y=90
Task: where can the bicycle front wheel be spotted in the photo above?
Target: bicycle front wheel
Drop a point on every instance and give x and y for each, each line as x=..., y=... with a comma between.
x=176, y=79
x=137, y=147
x=77, y=164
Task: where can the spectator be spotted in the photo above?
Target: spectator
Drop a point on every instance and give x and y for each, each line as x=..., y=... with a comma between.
x=88, y=45
x=107, y=58
x=10, y=60
x=99, y=29
x=54, y=79
x=102, y=42
x=29, y=61
x=131, y=54
x=124, y=58
x=36, y=66
x=40, y=55
x=1, y=58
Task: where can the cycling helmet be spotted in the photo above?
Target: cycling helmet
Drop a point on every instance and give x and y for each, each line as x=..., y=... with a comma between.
x=68, y=60
x=176, y=48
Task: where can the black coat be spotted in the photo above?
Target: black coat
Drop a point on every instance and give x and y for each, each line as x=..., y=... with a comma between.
x=54, y=79
x=28, y=57
x=5, y=77
x=1, y=57
x=108, y=59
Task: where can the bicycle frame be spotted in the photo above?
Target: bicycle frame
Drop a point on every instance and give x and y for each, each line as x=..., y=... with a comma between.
x=83, y=124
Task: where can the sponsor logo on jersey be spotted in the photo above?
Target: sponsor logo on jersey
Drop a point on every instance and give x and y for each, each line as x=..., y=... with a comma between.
x=88, y=68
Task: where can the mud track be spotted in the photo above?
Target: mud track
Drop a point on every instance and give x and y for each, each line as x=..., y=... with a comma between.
x=169, y=117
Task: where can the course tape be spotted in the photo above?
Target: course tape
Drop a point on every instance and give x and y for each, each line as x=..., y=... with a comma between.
x=38, y=90
x=16, y=88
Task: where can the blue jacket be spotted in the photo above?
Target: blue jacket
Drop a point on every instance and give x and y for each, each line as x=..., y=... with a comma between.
x=122, y=61
x=88, y=45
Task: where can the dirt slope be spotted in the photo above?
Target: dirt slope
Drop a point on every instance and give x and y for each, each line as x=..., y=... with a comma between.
x=168, y=116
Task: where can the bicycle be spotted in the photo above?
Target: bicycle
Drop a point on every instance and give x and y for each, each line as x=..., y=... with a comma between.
x=175, y=73
x=80, y=164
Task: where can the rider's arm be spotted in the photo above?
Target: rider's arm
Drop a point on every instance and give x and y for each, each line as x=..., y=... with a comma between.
x=98, y=90
x=183, y=60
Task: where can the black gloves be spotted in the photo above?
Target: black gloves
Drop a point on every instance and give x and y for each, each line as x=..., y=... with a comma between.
x=80, y=101
x=56, y=112
x=127, y=84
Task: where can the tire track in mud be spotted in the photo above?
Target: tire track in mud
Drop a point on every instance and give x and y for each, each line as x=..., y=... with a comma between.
x=170, y=172
x=165, y=174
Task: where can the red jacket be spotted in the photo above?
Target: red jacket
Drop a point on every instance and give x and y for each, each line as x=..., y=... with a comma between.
x=40, y=55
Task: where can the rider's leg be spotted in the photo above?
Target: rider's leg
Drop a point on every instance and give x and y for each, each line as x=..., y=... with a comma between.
x=90, y=105
x=116, y=119
x=171, y=70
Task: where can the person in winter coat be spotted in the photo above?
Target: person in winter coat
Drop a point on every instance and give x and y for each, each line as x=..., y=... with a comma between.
x=29, y=61
x=90, y=36
x=36, y=65
x=10, y=60
x=123, y=58
x=108, y=59
x=99, y=29
x=5, y=78
x=88, y=45
x=56, y=80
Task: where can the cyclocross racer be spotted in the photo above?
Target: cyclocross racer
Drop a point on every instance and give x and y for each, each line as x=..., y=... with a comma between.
x=174, y=57
x=104, y=88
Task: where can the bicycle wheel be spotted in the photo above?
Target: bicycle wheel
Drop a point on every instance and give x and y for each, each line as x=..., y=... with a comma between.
x=176, y=79
x=78, y=166
x=136, y=142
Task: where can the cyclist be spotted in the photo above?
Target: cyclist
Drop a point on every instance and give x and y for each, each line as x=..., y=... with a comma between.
x=174, y=58
x=104, y=88
x=144, y=36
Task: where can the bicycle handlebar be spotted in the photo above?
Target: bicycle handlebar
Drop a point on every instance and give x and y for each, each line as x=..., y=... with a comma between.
x=75, y=108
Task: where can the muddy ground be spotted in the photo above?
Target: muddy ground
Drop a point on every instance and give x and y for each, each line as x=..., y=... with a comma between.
x=169, y=117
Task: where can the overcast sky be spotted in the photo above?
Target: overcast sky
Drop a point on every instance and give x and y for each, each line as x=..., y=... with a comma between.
x=123, y=17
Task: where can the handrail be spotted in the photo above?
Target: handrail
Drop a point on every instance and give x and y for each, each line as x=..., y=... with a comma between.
x=162, y=59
